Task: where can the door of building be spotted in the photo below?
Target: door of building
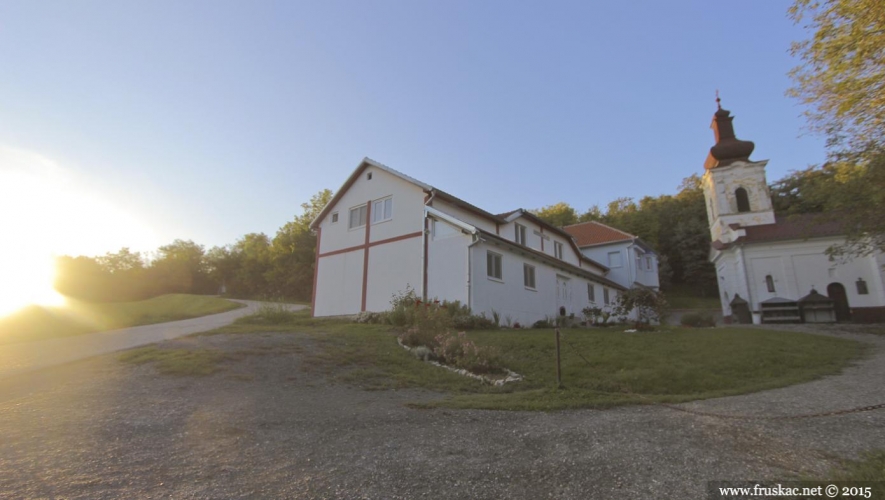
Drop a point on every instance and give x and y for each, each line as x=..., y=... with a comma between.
x=837, y=292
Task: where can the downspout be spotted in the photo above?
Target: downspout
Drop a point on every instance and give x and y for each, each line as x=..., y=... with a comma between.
x=476, y=240
x=424, y=245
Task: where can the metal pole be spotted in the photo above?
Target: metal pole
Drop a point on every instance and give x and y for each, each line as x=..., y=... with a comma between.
x=558, y=367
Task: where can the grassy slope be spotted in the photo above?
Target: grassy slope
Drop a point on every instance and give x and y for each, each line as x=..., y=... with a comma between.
x=36, y=323
x=676, y=365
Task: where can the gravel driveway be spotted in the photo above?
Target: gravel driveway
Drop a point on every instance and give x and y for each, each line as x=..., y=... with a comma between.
x=270, y=425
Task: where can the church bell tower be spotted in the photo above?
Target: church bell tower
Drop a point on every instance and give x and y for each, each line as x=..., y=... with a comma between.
x=735, y=187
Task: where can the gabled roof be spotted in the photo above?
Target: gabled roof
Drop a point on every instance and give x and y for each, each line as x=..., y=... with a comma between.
x=592, y=233
x=497, y=219
x=368, y=162
x=785, y=228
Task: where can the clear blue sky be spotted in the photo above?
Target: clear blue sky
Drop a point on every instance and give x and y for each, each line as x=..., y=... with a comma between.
x=208, y=120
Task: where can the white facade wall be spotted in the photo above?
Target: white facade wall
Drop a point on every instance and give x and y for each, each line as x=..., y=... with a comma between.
x=510, y=298
x=339, y=284
x=447, y=263
x=392, y=265
x=627, y=273
x=795, y=268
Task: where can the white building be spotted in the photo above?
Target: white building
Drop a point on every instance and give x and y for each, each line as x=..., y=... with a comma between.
x=631, y=261
x=768, y=262
x=384, y=231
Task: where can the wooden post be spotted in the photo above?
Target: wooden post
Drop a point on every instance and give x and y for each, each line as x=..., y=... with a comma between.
x=558, y=367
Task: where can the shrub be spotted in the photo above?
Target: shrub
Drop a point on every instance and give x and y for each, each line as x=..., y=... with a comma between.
x=457, y=350
x=650, y=306
x=697, y=320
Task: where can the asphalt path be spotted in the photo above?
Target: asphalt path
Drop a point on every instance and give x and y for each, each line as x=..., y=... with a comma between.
x=30, y=356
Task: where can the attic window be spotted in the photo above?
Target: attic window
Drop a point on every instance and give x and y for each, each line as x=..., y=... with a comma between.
x=862, y=287
x=334, y=217
x=369, y=176
x=769, y=282
x=520, y=234
x=743, y=201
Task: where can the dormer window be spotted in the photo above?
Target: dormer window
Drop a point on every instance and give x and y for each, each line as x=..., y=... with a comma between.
x=520, y=234
x=743, y=200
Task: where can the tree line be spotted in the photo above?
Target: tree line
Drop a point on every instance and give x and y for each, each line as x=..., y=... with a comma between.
x=255, y=266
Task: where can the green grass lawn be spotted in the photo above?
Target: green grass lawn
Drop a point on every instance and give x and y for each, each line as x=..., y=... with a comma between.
x=871, y=467
x=675, y=365
x=76, y=317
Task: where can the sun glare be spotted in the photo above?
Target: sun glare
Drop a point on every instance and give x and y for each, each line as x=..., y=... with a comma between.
x=44, y=212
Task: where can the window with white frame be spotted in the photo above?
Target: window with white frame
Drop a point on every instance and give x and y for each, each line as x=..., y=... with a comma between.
x=614, y=259
x=519, y=238
x=334, y=217
x=557, y=249
x=638, y=262
x=605, y=297
x=493, y=265
x=382, y=210
x=357, y=217
x=528, y=275
x=591, y=292
x=649, y=263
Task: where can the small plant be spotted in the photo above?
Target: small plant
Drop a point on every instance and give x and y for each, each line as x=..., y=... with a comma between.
x=496, y=317
x=508, y=321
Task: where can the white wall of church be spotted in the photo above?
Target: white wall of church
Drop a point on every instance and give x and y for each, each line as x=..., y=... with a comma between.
x=796, y=267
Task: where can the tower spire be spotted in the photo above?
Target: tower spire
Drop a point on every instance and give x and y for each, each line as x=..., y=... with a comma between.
x=728, y=148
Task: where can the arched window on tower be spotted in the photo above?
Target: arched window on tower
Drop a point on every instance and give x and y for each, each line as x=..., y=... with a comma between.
x=743, y=201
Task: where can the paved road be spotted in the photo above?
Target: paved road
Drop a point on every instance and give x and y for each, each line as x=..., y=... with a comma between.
x=30, y=356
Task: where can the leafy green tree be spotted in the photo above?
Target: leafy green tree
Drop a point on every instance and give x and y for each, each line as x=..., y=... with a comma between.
x=559, y=214
x=841, y=77
x=294, y=251
x=179, y=267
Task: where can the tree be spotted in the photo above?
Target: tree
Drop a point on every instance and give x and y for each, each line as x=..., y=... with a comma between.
x=559, y=214
x=180, y=268
x=841, y=76
x=294, y=251
x=650, y=306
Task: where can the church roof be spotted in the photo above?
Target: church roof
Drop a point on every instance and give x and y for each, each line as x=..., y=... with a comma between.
x=795, y=227
x=789, y=227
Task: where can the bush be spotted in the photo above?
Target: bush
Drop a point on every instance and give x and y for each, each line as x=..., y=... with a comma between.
x=457, y=350
x=697, y=320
